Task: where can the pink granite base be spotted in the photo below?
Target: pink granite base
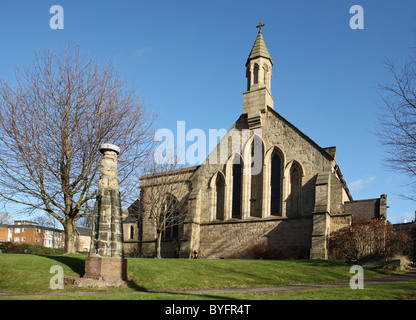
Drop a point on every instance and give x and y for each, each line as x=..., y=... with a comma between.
x=106, y=269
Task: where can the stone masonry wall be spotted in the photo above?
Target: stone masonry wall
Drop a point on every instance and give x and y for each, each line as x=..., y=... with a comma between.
x=339, y=222
x=368, y=209
x=235, y=239
x=177, y=185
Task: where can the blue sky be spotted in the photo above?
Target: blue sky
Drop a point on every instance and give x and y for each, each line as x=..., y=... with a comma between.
x=187, y=60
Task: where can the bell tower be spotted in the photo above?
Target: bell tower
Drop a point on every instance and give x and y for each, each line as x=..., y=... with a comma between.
x=259, y=73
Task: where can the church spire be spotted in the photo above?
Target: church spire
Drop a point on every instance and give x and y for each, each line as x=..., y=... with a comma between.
x=259, y=73
x=259, y=48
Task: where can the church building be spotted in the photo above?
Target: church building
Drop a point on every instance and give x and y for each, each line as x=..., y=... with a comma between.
x=266, y=184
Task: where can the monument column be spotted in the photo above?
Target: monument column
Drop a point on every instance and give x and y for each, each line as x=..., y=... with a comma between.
x=106, y=261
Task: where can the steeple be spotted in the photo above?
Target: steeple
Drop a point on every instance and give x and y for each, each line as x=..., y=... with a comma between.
x=258, y=72
x=259, y=48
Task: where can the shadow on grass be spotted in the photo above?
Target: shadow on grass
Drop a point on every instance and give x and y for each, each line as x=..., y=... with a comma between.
x=76, y=264
x=134, y=286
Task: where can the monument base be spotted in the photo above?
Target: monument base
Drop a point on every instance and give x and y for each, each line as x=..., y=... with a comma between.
x=90, y=282
x=110, y=270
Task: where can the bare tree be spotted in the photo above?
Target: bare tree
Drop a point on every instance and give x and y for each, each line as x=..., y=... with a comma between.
x=46, y=220
x=53, y=119
x=5, y=218
x=164, y=191
x=398, y=122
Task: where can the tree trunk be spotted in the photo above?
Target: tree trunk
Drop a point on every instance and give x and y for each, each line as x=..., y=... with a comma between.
x=158, y=244
x=69, y=228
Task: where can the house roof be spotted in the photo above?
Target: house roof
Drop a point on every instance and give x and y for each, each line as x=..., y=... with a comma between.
x=130, y=219
x=82, y=231
x=28, y=226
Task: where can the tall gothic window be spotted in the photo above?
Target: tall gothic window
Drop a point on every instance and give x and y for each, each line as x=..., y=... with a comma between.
x=171, y=230
x=237, y=186
x=256, y=73
x=256, y=177
x=276, y=171
x=220, y=191
x=295, y=190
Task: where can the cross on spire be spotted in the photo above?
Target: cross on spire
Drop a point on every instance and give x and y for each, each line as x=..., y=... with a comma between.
x=261, y=24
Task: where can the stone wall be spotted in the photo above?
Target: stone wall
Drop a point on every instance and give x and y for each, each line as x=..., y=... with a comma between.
x=158, y=185
x=368, y=208
x=169, y=248
x=82, y=243
x=131, y=240
x=234, y=239
x=339, y=222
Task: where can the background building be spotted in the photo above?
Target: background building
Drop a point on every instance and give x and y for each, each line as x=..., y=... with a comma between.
x=30, y=232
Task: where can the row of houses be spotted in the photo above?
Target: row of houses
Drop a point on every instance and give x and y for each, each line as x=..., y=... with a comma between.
x=30, y=232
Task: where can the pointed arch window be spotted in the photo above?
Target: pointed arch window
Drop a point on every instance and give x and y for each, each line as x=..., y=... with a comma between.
x=275, y=184
x=220, y=193
x=237, y=188
x=131, y=232
x=256, y=73
x=248, y=76
x=293, y=209
x=256, y=193
x=171, y=230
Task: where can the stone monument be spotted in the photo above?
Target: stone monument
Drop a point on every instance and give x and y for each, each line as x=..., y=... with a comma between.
x=106, y=261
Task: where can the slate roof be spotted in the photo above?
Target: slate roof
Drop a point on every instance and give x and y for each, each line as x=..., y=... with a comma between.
x=259, y=49
x=83, y=231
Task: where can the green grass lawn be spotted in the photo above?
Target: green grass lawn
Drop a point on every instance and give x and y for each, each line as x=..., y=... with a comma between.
x=192, y=274
x=388, y=291
x=29, y=274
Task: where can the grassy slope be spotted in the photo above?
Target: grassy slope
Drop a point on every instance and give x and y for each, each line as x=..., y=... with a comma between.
x=21, y=273
x=173, y=274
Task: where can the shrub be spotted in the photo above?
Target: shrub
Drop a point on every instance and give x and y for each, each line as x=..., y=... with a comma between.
x=367, y=237
x=260, y=251
x=264, y=251
x=8, y=247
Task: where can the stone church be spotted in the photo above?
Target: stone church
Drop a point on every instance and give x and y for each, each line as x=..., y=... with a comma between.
x=274, y=186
